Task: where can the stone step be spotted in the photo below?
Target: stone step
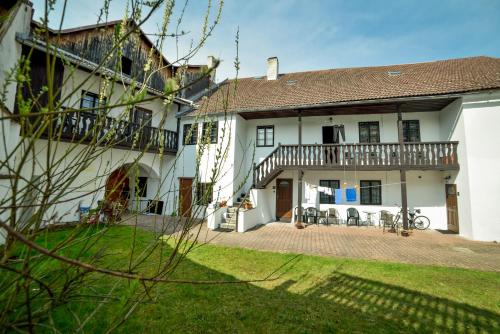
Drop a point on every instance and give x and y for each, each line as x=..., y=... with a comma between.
x=228, y=226
x=231, y=220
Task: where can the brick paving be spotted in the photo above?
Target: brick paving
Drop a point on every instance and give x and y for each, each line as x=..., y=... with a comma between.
x=422, y=247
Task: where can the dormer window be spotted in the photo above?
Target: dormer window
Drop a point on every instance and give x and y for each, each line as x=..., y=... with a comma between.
x=126, y=65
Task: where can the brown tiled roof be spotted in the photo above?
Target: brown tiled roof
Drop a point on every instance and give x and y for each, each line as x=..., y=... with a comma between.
x=355, y=84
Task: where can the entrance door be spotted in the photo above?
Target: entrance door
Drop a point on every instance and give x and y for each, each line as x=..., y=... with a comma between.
x=452, y=207
x=185, y=196
x=330, y=136
x=141, y=118
x=117, y=187
x=284, y=191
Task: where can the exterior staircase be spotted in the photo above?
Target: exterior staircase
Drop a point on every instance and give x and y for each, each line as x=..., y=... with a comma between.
x=230, y=217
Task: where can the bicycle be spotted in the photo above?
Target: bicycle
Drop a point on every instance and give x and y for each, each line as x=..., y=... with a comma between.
x=420, y=222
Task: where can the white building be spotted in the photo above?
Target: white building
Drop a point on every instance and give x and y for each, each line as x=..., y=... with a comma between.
x=279, y=139
x=80, y=83
x=449, y=154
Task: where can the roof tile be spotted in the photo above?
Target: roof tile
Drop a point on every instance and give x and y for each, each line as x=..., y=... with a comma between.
x=355, y=84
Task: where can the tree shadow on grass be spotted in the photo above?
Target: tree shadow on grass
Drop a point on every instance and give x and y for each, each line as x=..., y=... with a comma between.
x=400, y=308
x=340, y=302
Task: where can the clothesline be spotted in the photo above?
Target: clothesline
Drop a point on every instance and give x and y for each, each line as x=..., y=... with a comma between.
x=359, y=187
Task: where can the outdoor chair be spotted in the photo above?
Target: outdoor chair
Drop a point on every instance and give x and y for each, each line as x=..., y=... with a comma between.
x=352, y=215
x=386, y=220
x=295, y=214
x=333, y=216
x=323, y=217
x=311, y=215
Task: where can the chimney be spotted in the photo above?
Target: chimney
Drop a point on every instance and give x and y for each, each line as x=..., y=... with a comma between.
x=211, y=63
x=272, y=68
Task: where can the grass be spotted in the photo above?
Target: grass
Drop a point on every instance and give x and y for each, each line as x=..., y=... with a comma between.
x=313, y=294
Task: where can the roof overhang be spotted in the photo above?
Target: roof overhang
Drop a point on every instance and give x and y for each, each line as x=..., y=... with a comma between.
x=413, y=104
x=87, y=65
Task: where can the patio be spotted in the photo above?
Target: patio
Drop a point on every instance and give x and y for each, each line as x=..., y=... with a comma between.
x=422, y=247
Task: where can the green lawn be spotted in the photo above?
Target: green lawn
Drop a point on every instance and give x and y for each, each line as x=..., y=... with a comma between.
x=313, y=294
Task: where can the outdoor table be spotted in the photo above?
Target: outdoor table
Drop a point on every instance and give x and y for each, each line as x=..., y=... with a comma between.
x=370, y=217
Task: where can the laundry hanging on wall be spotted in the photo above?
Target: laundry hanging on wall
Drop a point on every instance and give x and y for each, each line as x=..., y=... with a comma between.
x=325, y=190
x=307, y=192
x=338, y=130
x=338, y=196
x=350, y=194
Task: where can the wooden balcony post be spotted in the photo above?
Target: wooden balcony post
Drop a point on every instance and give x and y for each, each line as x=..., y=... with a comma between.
x=402, y=170
x=298, y=223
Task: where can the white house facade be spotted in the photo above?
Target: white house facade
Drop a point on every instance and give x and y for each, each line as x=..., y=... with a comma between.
x=282, y=133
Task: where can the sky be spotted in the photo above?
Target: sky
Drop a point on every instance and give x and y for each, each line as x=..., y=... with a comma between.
x=315, y=34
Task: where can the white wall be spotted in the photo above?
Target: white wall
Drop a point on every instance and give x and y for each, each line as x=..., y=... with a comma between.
x=10, y=53
x=481, y=120
x=473, y=121
x=426, y=191
x=89, y=186
x=227, y=164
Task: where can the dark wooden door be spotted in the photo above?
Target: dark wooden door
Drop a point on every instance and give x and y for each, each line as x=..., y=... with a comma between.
x=452, y=207
x=141, y=119
x=117, y=187
x=284, y=193
x=185, y=196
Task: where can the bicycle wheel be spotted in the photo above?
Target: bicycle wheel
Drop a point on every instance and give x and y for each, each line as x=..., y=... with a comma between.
x=421, y=222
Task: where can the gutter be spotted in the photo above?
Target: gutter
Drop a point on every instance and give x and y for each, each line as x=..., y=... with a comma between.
x=40, y=45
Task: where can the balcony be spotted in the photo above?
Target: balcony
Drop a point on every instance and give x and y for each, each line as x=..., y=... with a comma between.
x=379, y=156
x=84, y=127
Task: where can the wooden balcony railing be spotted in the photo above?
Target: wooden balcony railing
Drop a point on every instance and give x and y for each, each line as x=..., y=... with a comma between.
x=84, y=127
x=380, y=156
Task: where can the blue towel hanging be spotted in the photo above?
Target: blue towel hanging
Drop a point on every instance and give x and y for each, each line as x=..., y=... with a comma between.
x=350, y=194
x=338, y=196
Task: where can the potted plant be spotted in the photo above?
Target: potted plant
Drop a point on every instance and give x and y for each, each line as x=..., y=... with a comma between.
x=247, y=204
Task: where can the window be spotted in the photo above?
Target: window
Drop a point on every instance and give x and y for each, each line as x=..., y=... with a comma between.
x=126, y=65
x=371, y=192
x=140, y=115
x=141, y=188
x=204, y=193
x=369, y=132
x=90, y=101
x=265, y=135
x=411, y=131
x=328, y=199
x=190, y=134
x=213, y=128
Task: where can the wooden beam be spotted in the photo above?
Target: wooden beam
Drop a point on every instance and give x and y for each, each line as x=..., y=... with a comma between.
x=402, y=171
x=298, y=223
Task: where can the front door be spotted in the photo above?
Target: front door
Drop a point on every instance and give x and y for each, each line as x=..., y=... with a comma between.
x=141, y=118
x=117, y=187
x=284, y=191
x=185, y=196
x=452, y=207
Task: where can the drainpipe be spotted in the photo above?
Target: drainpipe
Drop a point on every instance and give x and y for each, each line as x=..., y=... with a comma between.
x=298, y=223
